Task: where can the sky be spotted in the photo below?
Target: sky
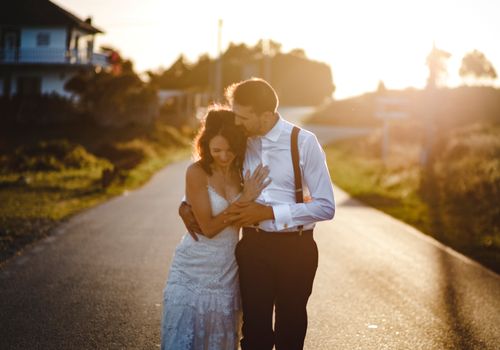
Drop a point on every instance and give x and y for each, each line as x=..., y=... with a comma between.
x=363, y=41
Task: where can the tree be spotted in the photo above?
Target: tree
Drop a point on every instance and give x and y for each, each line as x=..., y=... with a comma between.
x=239, y=52
x=436, y=61
x=199, y=75
x=381, y=87
x=269, y=47
x=116, y=97
x=476, y=65
x=175, y=77
x=298, y=79
x=298, y=52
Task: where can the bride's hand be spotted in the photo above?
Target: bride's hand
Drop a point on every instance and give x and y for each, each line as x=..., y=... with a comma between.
x=255, y=183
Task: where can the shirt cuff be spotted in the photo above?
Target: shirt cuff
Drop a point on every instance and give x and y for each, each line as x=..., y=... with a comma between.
x=282, y=216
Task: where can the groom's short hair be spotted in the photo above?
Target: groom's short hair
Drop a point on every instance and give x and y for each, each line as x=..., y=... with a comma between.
x=254, y=92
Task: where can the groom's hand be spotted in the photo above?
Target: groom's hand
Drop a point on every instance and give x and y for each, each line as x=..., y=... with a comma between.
x=249, y=213
x=187, y=216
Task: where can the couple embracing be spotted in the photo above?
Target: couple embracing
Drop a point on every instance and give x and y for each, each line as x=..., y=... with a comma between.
x=258, y=174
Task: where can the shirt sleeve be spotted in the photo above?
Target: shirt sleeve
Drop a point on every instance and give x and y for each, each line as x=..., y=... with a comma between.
x=317, y=179
x=282, y=216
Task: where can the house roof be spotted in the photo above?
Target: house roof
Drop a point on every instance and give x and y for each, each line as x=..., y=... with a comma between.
x=40, y=13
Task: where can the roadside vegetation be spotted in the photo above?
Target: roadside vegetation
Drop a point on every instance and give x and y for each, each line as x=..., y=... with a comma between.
x=59, y=156
x=65, y=169
x=441, y=169
x=453, y=196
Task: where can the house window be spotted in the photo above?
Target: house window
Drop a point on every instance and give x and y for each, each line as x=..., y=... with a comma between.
x=43, y=39
x=28, y=86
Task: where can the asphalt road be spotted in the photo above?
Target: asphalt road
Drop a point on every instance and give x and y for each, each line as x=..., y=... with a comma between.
x=97, y=282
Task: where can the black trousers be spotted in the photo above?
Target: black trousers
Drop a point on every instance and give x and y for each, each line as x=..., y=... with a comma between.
x=276, y=273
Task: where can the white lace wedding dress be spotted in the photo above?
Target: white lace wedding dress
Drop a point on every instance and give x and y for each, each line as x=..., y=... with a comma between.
x=201, y=300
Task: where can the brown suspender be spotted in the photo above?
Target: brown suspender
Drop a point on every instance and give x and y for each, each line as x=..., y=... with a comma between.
x=299, y=192
x=299, y=195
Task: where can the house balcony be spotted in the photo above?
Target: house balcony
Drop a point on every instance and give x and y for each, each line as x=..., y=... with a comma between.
x=52, y=56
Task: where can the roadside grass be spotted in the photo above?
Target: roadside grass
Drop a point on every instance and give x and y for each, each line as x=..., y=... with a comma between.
x=456, y=202
x=390, y=186
x=39, y=189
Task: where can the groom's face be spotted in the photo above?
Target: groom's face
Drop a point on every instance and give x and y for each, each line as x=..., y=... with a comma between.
x=246, y=117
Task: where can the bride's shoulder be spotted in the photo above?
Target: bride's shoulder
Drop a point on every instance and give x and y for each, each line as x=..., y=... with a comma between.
x=196, y=172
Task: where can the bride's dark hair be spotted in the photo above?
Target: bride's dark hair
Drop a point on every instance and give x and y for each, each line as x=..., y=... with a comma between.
x=220, y=121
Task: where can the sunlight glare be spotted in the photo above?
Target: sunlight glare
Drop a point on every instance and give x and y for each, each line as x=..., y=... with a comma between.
x=363, y=41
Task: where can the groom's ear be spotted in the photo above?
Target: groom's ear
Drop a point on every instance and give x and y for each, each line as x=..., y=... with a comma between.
x=267, y=114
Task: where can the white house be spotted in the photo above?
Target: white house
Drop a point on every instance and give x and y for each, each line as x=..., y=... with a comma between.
x=42, y=46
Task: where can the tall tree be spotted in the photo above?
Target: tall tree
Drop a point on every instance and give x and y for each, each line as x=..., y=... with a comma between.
x=239, y=52
x=269, y=47
x=436, y=61
x=298, y=52
x=476, y=65
x=300, y=81
x=114, y=97
x=381, y=87
x=175, y=77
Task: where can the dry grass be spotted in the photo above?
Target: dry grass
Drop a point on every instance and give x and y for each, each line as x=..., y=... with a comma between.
x=44, y=182
x=455, y=200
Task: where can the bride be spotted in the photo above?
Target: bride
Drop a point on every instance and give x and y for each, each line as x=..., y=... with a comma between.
x=201, y=301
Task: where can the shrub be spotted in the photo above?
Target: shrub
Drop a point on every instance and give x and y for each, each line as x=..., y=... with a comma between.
x=128, y=155
x=168, y=136
x=115, y=100
x=468, y=172
x=50, y=155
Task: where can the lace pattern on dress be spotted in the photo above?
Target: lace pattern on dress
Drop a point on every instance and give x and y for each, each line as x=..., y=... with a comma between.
x=201, y=300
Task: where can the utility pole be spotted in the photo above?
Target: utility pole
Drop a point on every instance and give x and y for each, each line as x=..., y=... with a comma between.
x=218, y=65
x=266, y=50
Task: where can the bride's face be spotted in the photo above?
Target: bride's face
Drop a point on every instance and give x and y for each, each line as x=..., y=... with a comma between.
x=221, y=151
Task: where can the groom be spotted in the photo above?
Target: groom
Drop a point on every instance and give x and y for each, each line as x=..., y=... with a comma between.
x=277, y=256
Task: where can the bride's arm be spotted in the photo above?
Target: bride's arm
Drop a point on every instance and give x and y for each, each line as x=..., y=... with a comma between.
x=197, y=195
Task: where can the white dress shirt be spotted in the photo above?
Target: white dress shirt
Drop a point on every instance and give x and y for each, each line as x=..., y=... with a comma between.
x=274, y=150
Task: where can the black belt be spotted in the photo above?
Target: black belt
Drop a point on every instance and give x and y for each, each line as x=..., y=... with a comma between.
x=253, y=231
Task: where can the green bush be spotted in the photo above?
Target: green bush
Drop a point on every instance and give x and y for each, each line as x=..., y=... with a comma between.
x=115, y=100
x=127, y=155
x=168, y=136
x=50, y=155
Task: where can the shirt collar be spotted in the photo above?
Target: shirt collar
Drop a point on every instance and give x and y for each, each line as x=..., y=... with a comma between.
x=275, y=132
